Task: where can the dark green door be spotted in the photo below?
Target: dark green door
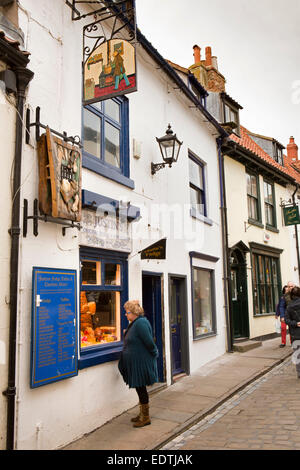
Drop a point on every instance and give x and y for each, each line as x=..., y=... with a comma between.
x=239, y=301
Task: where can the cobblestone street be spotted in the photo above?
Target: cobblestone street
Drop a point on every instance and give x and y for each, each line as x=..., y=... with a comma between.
x=264, y=415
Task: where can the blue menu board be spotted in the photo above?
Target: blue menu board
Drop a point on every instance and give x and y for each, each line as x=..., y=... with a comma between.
x=54, y=325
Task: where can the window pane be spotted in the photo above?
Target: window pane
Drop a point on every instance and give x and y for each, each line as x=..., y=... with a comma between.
x=99, y=317
x=112, y=145
x=91, y=272
x=255, y=284
x=253, y=186
x=112, y=274
x=92, y=133
x=203, y=314
x=197, y=200
x=112, y=109
x=196, y=174
x=252, y=208
x=248, y=179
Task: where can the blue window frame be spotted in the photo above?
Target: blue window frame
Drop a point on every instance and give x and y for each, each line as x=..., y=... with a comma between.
x=105, y=136
x=197, y=186
x=103, y=292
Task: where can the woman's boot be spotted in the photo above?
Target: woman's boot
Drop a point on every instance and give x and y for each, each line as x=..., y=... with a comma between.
x=134, y=420
x=144, y=418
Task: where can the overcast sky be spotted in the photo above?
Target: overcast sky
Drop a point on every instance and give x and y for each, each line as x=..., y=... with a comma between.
x=257, y=43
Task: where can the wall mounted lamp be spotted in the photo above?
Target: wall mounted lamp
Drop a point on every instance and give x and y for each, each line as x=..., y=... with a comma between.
x=169, y=146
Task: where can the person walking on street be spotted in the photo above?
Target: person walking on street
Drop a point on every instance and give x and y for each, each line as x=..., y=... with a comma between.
x=292, y=319
x=280, y=312
x=138, y=361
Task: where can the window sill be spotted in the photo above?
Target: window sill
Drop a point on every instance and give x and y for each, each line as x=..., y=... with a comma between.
x=257, y=223
x=205, y=335
x=269, y=314
x=93, y=356
x=201, y=217
x=95, y=165
x=272, y=229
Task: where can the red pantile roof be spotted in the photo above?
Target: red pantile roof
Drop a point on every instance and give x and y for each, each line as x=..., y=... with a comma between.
x=248, y=143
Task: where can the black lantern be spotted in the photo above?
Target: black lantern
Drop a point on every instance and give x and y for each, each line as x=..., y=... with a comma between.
x=169, y=147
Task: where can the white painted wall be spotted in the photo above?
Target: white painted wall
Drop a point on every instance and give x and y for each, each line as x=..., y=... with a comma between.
x=236, y=194
x=7, y=139
x=52, y=416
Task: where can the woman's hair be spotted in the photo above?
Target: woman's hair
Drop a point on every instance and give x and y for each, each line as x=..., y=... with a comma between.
x=295, y=292
x=283, y=290
x=134, y=307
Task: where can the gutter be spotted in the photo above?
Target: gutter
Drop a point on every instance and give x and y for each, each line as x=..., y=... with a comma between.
x=225, y=248
x=18, y=61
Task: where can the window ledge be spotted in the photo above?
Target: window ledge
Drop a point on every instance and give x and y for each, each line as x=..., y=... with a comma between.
x=257, y=223
x=201, y=217
x=272, y=229
x=94, y=356
x=205, y=335
x=95, y=165
x=269, y=314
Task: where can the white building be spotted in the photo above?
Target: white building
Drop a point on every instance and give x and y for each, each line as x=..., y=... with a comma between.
x=183, y=295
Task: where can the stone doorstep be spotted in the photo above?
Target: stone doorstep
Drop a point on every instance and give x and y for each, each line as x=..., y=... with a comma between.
x=245, y=346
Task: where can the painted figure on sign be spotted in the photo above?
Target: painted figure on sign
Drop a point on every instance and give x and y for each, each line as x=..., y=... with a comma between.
x=119, y=69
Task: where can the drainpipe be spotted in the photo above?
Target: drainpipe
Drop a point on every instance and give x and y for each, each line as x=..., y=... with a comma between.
x=296, y=231
x=226, y=264
x=23, y=76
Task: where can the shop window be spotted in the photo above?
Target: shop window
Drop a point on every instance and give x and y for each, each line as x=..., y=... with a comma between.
x=106, y=139
x=103, y=292
x=266, y=283
x=203, y=302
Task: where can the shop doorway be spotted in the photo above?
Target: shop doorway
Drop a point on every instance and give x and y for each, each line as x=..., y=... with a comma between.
x=151, y=292
x=239, y=294
x=178, y=325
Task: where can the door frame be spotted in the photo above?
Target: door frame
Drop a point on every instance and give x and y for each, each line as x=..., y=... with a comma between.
x=159, y=316
x=241, y=268
x=184, y=325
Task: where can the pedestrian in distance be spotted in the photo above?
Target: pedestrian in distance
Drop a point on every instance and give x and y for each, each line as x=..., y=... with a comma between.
x=280, y=312
x=292, y=319
x=138, y=361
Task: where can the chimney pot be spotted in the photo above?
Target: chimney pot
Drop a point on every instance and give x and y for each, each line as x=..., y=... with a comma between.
x=197, y=53
x=208, y=61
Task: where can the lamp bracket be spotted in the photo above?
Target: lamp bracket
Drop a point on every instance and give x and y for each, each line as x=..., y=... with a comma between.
x=157, y=166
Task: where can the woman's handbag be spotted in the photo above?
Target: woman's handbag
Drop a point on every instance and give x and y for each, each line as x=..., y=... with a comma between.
x=277, y=325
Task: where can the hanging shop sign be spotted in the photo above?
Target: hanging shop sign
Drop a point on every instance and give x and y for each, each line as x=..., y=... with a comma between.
x=155, y=251
x=54, y=325
x=291, y=215
x=59, y=178
x=110, y=70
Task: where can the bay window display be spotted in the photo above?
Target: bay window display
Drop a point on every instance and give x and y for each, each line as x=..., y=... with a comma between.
x=101, y=300
x=203, y=301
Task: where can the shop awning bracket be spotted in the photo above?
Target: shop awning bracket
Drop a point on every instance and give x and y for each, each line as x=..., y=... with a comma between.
x=45, y=218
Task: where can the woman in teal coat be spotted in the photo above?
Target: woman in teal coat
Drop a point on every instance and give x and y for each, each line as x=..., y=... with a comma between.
x=138, y=362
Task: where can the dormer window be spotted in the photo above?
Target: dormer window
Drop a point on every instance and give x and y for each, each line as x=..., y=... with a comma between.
x=278, y=157
x=231, y=113
x=197, y=89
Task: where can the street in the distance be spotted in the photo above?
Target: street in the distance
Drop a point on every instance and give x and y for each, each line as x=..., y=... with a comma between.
x=265, y=415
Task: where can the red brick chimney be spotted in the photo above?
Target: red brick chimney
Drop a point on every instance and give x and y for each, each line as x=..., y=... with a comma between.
x=208, y=61
x=197, y=54
x=292, y=151
x=206, y=71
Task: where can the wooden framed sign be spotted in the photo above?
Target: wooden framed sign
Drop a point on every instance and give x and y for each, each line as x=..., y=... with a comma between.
x=59, y=178
x=110, y=70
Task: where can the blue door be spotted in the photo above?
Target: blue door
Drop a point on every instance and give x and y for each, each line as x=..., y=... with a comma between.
x=151, y=285
x=175, y=320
